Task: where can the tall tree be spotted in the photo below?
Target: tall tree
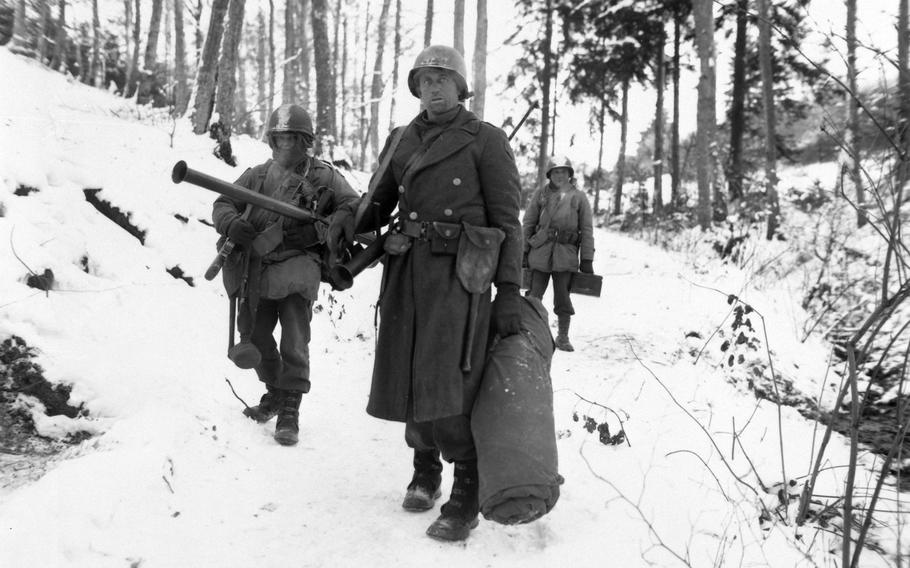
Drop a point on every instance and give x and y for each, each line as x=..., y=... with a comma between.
x=19, y=41
x=133, y=78
x=738, y=104
x=343, y=80
x=127, y=38
x=853, y=131
x=764, y=46
x=706, y=117
x=660, y=66
x=675, y=196
x=181, y=88
x=44, y=21
x=303, y=62
x=621, y=158
x=271, y=103
x=545, y=77
x=151, y=46
x=58, y=62
x=97, y=69
x=208, y=69
x=364, y=125
x=292, y=54
x=336, y=23
x=479, y=63
x=458, y=35
x=396, y=57
x=262, y=68
x=227, y=80
x=376, y=84
x=325, y=81
x=428, y=24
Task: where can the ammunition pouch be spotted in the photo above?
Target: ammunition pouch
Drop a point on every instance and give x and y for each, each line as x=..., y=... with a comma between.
x=443, y=238
x=478, y=257
x=563, y=236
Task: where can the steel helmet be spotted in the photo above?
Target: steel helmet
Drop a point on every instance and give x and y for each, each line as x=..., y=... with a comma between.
x=290, y=118
x=441, y=57
x=560, y=162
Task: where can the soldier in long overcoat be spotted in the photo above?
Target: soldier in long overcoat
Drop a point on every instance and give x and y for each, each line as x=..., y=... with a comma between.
x=455, y=184
x=559, y=241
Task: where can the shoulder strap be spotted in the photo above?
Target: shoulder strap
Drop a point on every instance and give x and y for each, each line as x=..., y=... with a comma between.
x=383, y=166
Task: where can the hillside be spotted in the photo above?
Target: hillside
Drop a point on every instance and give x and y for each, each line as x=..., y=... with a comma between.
x=161, y=469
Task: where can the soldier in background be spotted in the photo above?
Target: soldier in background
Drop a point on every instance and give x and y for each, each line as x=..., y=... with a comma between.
x=276, y=269
x=454, y=181
x=559, y=241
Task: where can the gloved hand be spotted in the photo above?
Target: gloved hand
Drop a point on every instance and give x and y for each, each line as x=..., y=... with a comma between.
x=241, y=231
x=524, y=259
x=507, y=310
x=300, y=236
x=340, y=232
x=587, y=266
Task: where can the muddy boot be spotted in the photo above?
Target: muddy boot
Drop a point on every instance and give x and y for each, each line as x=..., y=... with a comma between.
x=459, y=514
x=268, y=406
x=562, y=337
x=424, y=487
x=286, y=428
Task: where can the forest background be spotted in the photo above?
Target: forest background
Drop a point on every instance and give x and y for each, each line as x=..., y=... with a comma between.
x=760, y=82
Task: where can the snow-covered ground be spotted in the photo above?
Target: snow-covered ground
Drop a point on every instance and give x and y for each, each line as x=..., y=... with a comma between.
x=176, y=476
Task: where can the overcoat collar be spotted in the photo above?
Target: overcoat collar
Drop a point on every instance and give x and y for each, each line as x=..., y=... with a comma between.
x=458, y=134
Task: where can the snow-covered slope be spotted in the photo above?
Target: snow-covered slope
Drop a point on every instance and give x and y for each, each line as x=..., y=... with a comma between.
x=176, y=476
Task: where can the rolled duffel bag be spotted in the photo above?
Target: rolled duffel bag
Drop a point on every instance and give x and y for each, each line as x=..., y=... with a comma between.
x=513, y=427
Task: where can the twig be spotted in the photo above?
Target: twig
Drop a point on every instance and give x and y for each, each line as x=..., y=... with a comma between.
x=711, y=471
x=235, y=393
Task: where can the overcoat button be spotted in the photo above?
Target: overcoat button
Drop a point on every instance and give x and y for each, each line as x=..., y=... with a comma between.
x=456, y=181
x=448, y=212
x=412, y=215
x=400, y=189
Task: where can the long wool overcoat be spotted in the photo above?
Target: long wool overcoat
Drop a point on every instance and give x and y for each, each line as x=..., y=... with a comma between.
x=550, y=209
x=467, y=175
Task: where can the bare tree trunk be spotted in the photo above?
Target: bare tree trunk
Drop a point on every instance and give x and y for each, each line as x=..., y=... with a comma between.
x=395, y=63
x=480, y=60
x=458, y=35
x=621, y=159
x=738, y=104
x=364, y=127
x=343, y=82
x=200, y=40
x=428, y=24
x=181, y=87
x=97, y=72
x=658, y=200
x=336, y=88
x=291, y=53
x=151, y=47
x=59, y=60
x=271, y=104
x=303, y=72
x=600, y=148
x=706, y=117
x=208, y=70
x=127, y=39
x=227, y=81
x=853, y=107
x=241, y=121
x=325, y=81
x=19, y=41
x=675, y=197
x=133, y=78
x=44, y=19
x=544, y=152
x=377, y=84
x=767, y=79
x=262, y=70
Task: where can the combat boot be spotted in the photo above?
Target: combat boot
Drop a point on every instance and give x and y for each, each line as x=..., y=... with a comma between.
x=562, y=337
x=268, y=406
x=423, y=491
x=286, y=427
x=459, y=514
